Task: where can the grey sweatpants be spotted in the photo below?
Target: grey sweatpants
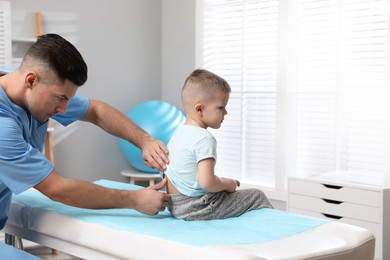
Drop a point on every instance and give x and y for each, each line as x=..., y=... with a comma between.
x=217, y=205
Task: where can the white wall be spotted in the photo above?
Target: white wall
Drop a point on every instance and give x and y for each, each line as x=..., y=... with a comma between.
x=136, y=50
x=178, y=47
x=121, y=42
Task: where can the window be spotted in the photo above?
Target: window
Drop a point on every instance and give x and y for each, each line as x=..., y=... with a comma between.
x=310, y=91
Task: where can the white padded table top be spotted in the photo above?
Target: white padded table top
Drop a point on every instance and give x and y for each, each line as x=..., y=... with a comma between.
x=90, y=240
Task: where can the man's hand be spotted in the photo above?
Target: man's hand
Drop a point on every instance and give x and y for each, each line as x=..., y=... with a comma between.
x=155, y=154
x=111, y=120
x=150, y=201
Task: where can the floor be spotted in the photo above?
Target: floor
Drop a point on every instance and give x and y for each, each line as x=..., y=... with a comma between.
x=46, y=253
x=41, y=251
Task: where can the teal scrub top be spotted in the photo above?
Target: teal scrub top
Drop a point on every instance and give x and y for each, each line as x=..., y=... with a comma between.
x=22, y=164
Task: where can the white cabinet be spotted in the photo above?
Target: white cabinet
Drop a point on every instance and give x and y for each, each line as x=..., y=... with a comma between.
x=361, y=205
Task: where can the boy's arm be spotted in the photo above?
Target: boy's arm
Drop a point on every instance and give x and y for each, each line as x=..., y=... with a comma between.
x=212, y=183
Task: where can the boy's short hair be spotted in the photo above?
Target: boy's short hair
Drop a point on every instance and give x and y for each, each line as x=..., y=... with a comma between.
x=203, y=84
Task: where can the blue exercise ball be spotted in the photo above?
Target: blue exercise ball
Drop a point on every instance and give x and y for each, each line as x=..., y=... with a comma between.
x=160, y=120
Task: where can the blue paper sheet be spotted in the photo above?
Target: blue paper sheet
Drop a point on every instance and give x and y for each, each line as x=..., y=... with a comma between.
x=256, y=226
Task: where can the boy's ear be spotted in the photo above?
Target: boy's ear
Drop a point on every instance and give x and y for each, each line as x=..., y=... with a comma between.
x=198, y=108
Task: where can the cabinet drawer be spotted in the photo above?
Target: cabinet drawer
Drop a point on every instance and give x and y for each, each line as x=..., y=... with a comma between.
x=335, y=208
x=373, y=227
x=335, y=192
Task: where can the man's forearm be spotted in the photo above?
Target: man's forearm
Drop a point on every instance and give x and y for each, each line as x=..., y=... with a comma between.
x=84, y=194
x=116, y=123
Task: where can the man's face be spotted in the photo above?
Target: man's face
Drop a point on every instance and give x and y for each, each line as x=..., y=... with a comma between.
x=44, y=100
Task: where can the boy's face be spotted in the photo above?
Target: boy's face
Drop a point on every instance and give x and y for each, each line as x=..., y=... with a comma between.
x=215, y=110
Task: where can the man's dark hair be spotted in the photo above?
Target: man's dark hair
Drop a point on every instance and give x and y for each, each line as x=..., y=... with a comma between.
x=61, y=56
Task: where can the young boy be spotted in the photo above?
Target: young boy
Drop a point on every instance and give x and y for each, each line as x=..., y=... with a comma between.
x=196, y=192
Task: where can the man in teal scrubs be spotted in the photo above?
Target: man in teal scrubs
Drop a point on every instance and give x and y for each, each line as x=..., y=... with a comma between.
x=43, y=87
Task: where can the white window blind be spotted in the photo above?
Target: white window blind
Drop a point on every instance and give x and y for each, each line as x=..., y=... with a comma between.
x=5, y=34
x=328, y=58
x=241, y=44
x=342, y=87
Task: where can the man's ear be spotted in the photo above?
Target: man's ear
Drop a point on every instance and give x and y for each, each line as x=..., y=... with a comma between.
x=30, y=79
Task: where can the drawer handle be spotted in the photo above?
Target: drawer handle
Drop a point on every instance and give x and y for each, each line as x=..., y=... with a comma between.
x=331, y=216
x=332, y=186
x=332, y=201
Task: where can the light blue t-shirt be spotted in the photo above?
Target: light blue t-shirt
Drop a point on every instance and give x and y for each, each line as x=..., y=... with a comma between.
x=22, y=164
x=187, y=147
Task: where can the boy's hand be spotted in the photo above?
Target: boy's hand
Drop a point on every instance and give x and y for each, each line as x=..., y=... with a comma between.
x=231, y=185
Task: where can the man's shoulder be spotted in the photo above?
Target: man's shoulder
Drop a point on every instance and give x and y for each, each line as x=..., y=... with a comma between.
x=4, y=71
x=7, y=108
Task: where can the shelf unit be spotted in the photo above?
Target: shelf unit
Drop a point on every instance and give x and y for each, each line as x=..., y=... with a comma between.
x=21, y=44
x=5, y=34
